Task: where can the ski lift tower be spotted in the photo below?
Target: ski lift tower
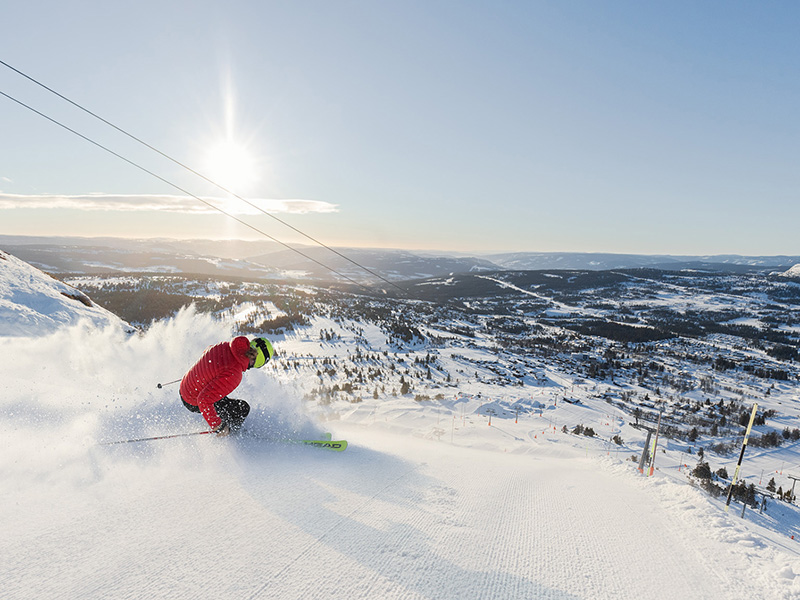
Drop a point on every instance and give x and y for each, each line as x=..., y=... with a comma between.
x=645, y=459
x=794, y=480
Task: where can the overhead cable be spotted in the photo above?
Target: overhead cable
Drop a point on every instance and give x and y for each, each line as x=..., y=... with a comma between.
x=198, y=174
x=188, y=193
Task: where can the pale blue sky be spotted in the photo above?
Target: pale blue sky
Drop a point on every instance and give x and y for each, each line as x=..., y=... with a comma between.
x=645, y=127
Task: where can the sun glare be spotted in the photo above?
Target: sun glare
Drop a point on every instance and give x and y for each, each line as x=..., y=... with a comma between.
x=231, y=165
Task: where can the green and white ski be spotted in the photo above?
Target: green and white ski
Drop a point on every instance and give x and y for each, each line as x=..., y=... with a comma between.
x=335, y=445
x=325, y=442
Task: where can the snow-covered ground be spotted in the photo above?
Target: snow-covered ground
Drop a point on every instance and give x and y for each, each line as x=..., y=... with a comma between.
x=429, y=501
x=33, y=303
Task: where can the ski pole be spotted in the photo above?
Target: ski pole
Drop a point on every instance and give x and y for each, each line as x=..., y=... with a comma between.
x=160, y=437
x=160, y=385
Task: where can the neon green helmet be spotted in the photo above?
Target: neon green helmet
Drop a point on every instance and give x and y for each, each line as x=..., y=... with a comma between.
x=264, y=349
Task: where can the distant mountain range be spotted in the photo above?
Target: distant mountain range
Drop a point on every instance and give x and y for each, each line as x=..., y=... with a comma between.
x=272, y=261
x=534, y=261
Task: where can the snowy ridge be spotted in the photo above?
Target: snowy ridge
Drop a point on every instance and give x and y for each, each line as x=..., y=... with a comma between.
x=793, y=272
x=33, y=303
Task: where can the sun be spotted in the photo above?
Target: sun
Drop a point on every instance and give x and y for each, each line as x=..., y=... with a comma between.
x=231, y=165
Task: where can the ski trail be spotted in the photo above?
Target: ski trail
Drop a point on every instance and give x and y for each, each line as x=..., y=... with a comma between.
x=464, y=525
x=336, y=525
x=522, y=525
x=392, y=518
x=540, y=525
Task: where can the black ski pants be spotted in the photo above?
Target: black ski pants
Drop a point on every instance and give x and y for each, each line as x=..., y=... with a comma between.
x=233, y=412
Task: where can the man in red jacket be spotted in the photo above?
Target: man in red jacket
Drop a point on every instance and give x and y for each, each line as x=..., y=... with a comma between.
x=205, y=388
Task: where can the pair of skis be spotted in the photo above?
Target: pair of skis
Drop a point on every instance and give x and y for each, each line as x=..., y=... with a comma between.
x=323, y=444
x=326, y=443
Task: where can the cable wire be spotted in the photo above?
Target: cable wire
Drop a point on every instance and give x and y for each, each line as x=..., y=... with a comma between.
x=188, y=193
x=214, y=183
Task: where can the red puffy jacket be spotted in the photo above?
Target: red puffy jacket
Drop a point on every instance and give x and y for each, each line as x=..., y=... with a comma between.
x=215, y=375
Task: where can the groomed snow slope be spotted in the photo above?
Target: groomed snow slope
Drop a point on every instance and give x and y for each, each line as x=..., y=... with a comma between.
x=395, y=516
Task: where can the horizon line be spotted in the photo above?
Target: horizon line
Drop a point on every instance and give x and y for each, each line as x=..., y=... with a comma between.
x=397, y=249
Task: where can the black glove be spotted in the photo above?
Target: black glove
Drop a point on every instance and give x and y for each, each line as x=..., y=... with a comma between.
x=222, y=430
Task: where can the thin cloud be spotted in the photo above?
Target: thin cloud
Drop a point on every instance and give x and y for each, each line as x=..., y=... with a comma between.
x=169, y=203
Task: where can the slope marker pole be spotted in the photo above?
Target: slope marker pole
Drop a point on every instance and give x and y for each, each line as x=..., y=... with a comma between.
x=741, y=455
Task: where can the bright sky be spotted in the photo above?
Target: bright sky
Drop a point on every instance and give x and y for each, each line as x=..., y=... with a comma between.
x=624, y=126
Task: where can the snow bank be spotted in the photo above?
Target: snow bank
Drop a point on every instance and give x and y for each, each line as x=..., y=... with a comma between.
x=32, y=302
x=725, y=541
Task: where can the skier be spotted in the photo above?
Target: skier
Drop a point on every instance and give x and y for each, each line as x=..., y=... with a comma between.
x=205, y=388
